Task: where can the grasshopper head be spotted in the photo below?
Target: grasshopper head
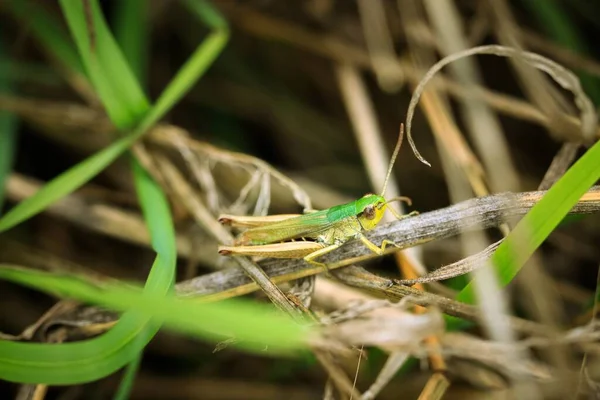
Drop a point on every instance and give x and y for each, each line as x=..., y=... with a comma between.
x=369, y=210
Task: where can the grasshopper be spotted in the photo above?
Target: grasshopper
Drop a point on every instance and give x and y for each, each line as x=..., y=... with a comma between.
x=315, y=233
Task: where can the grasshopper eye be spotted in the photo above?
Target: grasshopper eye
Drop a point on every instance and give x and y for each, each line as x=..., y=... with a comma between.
x=369, y=212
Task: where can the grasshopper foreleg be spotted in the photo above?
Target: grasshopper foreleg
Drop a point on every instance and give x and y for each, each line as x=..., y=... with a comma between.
x=374, y=248
x=379, y=250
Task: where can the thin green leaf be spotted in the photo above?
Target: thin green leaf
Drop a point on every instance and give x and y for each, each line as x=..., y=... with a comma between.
x=92, y=359
x=158, y=218
x=113, y=76
x=121, y=95
x=207, y=13
x=190, y=72
x=543, y=218
x=132, y=32
x=72, y=179
x=67, y=182
x=48, y=31
x=160, y=225
x=88, y=360
x=538, y=223
x=128, y=378
x=255, y=325
x=150, y=195
x=71, y=363
x=75, y=362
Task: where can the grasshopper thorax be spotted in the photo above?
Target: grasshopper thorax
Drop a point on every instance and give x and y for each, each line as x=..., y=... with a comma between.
x=369, y=210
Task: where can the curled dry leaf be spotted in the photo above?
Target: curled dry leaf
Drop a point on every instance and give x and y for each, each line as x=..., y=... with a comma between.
x=163, y=135
x=564, y=77
x=201, y=171
x=264, y=196
x=238, y=206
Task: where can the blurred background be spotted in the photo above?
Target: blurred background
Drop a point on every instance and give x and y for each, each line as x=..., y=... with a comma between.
x=316, y=88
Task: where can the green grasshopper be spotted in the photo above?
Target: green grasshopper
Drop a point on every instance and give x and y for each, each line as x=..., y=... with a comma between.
x=275, y=235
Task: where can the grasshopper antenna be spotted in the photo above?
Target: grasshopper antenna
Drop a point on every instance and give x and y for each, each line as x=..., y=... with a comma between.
x=393, y=160
x=405, y=199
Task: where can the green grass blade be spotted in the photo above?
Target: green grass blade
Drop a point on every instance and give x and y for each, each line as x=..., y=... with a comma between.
x=538, y=223
x=128, y=378
x=88, y=360
x=186, y=77
x=66, y=182
x=158, y=218
x=191, y=71
x=74, y=362
x=121, y=95
x=542, y=219
x=157, y=215
x=255, y=325
x=149, y=194
x=8, y=133
x=207, y=13
x=111, y=73
x=71, y=180
x=132, y=32
x=48, y=32
x=71, y=363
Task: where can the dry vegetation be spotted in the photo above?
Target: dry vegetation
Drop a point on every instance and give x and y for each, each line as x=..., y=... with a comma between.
x=301, y=111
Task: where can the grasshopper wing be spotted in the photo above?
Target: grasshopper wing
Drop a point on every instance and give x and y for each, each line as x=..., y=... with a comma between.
x=253, y=221
x=308, y=226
